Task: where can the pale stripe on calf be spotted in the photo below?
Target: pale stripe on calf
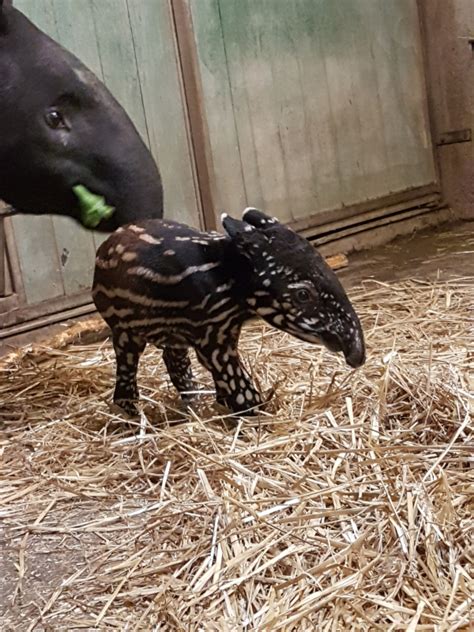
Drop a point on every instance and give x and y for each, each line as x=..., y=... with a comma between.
x=170, y=279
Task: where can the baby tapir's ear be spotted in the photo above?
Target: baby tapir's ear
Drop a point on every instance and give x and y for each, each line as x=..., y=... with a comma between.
x=256, y=218
x=234, y=227
x=248, y=240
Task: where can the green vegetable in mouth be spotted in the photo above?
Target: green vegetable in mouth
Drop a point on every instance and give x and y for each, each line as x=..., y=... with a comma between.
x=93, y=207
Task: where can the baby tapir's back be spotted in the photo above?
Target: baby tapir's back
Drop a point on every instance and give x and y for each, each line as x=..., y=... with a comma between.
x=159, y=275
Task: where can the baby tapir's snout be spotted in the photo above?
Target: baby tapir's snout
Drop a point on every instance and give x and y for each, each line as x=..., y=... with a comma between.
x=167, y=284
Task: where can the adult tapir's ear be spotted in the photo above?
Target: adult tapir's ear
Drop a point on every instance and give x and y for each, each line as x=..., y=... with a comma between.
x=256, y=218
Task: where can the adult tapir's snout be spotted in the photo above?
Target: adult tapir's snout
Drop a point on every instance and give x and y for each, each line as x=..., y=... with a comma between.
x=124, y=172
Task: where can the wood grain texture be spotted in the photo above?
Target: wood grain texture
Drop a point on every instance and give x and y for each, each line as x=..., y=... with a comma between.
x=313, y=104
x=158, y=73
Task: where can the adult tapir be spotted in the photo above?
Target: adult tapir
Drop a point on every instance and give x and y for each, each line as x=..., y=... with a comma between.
x=59, y=127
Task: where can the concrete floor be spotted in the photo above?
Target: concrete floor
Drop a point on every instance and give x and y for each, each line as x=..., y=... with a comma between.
x=442, y=252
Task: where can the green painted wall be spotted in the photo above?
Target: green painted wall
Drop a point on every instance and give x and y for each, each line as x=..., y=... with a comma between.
x=312, y=104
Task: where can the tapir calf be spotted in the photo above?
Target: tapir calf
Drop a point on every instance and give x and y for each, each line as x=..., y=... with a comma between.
x=175, y=287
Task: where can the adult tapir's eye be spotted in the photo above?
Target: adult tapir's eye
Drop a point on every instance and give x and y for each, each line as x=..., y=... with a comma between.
x=302, y=295
x=55, y=119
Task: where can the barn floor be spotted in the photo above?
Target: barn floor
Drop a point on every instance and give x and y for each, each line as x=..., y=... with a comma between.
x=347, y=505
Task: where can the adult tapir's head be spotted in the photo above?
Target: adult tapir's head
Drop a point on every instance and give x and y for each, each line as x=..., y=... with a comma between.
x=60, y=126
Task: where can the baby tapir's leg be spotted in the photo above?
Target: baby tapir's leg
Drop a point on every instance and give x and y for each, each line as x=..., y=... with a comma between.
x=234, y=387
x=178, y=364
x=128, y=349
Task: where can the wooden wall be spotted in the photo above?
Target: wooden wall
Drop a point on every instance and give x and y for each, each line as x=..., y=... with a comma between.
x=302, y=107
x=312, y=104
x=129, y=44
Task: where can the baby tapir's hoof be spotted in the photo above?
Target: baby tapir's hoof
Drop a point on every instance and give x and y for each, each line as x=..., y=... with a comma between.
x=246, y=403
x=126, y=406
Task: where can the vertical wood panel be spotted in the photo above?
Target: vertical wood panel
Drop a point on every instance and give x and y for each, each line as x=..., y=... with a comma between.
x=117, y=54
x=316, y=123
x=308, y=36
x=407, y=60
x=76, y=248
x=161, y=92
x=36, y=240
x=76, y=31
x=227, y=171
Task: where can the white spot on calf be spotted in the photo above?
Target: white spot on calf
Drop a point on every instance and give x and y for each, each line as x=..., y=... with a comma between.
x=123, y=339
x=149, y=239
x=129, y=256
x=136, y=229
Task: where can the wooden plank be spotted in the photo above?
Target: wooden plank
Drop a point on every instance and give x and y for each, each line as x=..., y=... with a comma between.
x=20, y=314
x=226, y=167
x=372, y=151
x=14, y=282
x=336, y=262
x=248, y=50
x=198, y=136
x=155, y=52
x=396, y=49
x=313, y=126
x=35, y=238
x=75, y=30
x=117, y=55
x=280, y=43
x=320, y=127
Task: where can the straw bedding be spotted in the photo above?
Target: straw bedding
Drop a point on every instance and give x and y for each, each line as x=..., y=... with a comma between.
x=346, y=506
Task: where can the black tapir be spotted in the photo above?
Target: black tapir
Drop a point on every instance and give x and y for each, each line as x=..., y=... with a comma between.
x=176, y=287
x=60, y=127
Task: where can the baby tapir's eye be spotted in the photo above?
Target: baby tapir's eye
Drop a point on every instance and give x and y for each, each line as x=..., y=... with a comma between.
x=302, y=295
x=54, y=119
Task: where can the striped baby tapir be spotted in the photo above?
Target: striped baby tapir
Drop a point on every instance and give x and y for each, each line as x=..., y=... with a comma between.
x=170, y=285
